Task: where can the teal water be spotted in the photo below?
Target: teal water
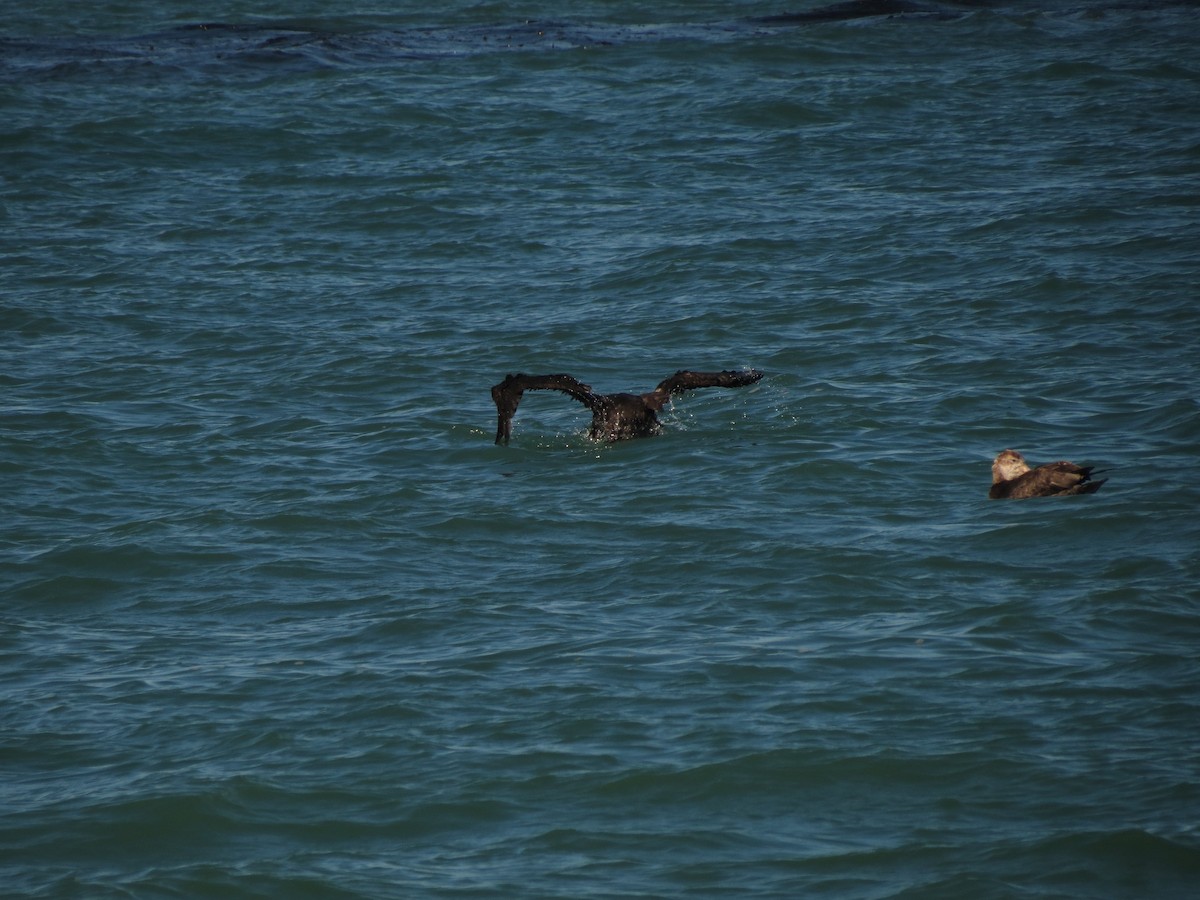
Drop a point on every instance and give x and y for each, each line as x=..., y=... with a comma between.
x=277, y=619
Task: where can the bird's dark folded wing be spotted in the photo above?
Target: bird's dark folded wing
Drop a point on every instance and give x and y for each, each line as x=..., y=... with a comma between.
x=1064, y=475
x=685, y=380
x=507, y=396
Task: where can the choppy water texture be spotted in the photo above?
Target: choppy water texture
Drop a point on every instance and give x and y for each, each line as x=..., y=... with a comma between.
x=278, y=618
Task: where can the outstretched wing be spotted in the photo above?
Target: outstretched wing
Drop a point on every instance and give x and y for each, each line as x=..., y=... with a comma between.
x=507, y=395
x=685, y=380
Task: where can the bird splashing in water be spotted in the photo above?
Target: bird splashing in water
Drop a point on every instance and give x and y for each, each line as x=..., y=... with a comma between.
x=615, y=417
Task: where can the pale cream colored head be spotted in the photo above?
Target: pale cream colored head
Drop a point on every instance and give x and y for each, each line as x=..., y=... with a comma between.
x=1009, y=464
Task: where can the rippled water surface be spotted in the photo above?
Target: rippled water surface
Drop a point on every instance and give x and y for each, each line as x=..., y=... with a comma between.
x=278, y=619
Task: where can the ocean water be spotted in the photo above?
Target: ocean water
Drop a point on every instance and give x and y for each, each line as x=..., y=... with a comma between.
x=278, y=619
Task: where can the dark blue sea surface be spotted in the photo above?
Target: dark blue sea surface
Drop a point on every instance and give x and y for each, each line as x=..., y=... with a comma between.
x=279, y=619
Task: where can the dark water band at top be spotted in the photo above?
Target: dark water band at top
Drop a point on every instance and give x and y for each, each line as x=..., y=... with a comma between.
x=223, y=40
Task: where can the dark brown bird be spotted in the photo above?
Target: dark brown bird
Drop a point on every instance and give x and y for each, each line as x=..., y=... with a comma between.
x=1013, y=479
x=615, y=417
